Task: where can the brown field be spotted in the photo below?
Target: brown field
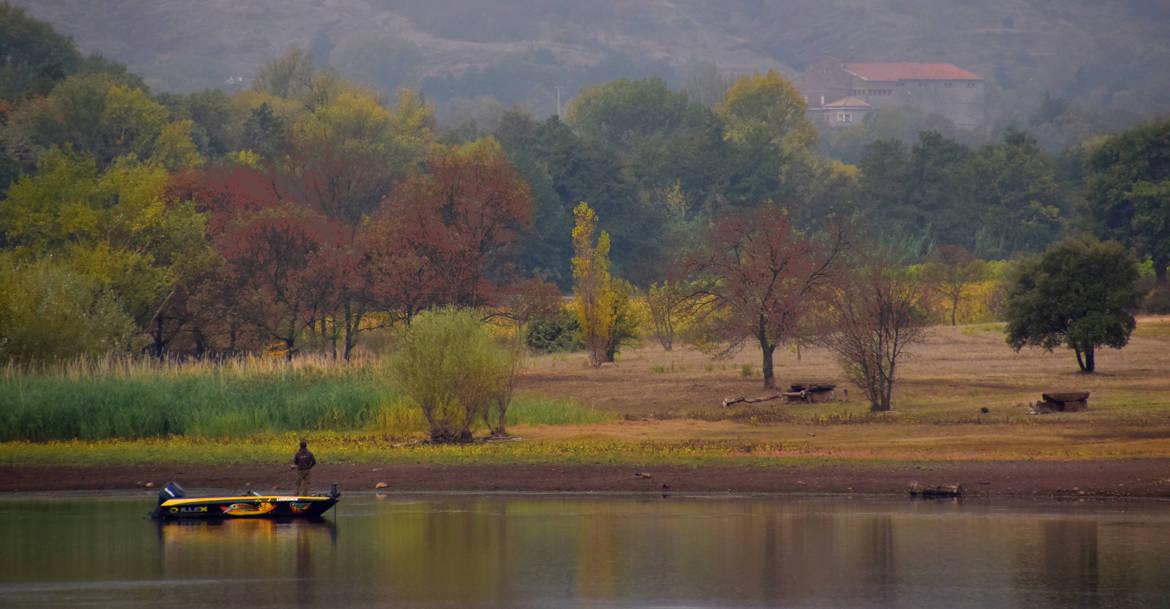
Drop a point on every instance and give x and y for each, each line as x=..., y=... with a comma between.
x=668, y=408
x=940, y=391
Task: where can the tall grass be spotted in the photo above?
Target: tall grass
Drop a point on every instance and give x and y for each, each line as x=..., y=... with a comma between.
x=103, y=399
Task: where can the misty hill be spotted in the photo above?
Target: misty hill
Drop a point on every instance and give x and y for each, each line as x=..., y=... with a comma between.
x=1106, y=57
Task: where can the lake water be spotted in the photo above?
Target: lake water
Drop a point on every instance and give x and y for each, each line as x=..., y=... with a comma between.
x=591, y=551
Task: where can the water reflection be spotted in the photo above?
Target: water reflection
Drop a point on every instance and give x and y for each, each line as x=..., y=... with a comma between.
x=591, y=551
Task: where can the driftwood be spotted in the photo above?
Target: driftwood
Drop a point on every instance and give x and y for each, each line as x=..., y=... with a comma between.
x=742, y=400
x=945, y=490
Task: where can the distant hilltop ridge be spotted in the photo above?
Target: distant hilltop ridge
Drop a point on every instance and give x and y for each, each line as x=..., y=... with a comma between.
x=1109, y=56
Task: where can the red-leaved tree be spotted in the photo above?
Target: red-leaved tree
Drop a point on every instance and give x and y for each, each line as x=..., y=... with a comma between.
x=280, y=257
x=757, y=277
x=447, y=236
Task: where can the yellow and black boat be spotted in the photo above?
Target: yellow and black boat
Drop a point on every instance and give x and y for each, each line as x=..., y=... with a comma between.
x=174, y=504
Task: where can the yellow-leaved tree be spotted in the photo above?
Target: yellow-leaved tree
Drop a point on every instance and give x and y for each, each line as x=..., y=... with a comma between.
x=593, y=292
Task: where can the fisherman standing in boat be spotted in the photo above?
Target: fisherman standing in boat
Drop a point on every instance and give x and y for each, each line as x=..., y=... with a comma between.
x=303, y=462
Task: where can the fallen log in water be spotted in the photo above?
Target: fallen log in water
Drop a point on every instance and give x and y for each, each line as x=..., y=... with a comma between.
x=945, y=490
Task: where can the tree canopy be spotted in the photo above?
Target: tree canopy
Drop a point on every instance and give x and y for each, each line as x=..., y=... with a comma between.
x=1080, y=292
x=1127, y=191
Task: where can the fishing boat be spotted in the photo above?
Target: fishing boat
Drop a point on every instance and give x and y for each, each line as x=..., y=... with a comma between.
x=174, y=504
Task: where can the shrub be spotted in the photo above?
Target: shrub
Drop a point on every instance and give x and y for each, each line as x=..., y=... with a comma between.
x=448, y=363
x=556, y=334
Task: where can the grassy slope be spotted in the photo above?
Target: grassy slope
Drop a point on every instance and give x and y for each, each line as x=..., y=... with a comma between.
x=666, y=409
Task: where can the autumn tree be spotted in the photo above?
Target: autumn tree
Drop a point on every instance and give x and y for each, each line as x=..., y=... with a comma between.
x=767, y=108
x=116, y=230
x=276, y=252
x=949, y=270
x=448, y=236
x=50, y=312
x=758, y=277
x=875, y=313
x=765, y=124
x=521, y=303
x=1080, y=292
x=667, y=302
x=344, y=157
x=594, y=297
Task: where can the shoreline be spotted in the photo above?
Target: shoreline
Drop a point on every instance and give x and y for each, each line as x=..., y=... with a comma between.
x=1132, y=478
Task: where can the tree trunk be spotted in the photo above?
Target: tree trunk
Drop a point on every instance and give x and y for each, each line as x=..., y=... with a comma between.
x=1085, y=359
x=769, y=374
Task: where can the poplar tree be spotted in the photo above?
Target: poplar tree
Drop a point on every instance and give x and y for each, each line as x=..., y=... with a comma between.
x=592, y=289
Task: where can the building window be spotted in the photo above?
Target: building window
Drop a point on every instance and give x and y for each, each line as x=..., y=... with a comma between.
x=947, y=84
x=971, y=85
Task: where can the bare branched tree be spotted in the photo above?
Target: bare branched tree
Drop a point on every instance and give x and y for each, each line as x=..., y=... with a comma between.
x=875, y=314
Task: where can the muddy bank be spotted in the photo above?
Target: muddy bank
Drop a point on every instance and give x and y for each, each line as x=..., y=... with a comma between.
x=1112, y=478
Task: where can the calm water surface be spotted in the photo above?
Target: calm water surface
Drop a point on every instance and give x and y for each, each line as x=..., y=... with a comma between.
x=587, y=551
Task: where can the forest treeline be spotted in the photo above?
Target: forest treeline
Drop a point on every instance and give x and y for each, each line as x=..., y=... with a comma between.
x=308, y=210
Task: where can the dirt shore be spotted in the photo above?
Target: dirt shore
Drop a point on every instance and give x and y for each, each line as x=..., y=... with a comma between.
x=1112, y=478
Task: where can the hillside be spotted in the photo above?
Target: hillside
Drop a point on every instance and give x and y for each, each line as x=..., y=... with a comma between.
x=1106, y=56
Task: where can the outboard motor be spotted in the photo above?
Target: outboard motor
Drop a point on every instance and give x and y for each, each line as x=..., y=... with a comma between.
x=171, y=491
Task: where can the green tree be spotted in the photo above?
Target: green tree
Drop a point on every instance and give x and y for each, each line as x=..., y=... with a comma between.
x=1079, y=292
x=1127, y=192
x=116, y=229
x=1018, y=200
x=612, y=114
x=49, y=312
x=35, y=56
x=939, y=188
x=767, y=131
x=94, y=113
x=447, y=363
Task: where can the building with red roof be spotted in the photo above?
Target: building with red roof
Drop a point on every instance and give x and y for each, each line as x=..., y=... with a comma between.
x=934, y=88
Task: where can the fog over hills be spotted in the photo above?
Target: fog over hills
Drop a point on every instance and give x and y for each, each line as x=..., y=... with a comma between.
x=1108, y=57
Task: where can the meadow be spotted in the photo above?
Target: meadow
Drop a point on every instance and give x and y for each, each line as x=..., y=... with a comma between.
x=961, y=395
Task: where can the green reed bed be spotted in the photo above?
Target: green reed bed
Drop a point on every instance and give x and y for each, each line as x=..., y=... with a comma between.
x=141, y=400
x=120, y=399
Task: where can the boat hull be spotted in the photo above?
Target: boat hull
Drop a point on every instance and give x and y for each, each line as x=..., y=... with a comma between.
x=173, y=504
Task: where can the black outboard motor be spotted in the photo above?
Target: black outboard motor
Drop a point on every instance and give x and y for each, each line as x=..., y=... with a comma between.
x=171, y=491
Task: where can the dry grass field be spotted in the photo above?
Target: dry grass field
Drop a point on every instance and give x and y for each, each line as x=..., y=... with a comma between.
x=941, y=390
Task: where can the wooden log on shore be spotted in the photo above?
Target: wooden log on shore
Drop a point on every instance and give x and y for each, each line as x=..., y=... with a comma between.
x=742, y=400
